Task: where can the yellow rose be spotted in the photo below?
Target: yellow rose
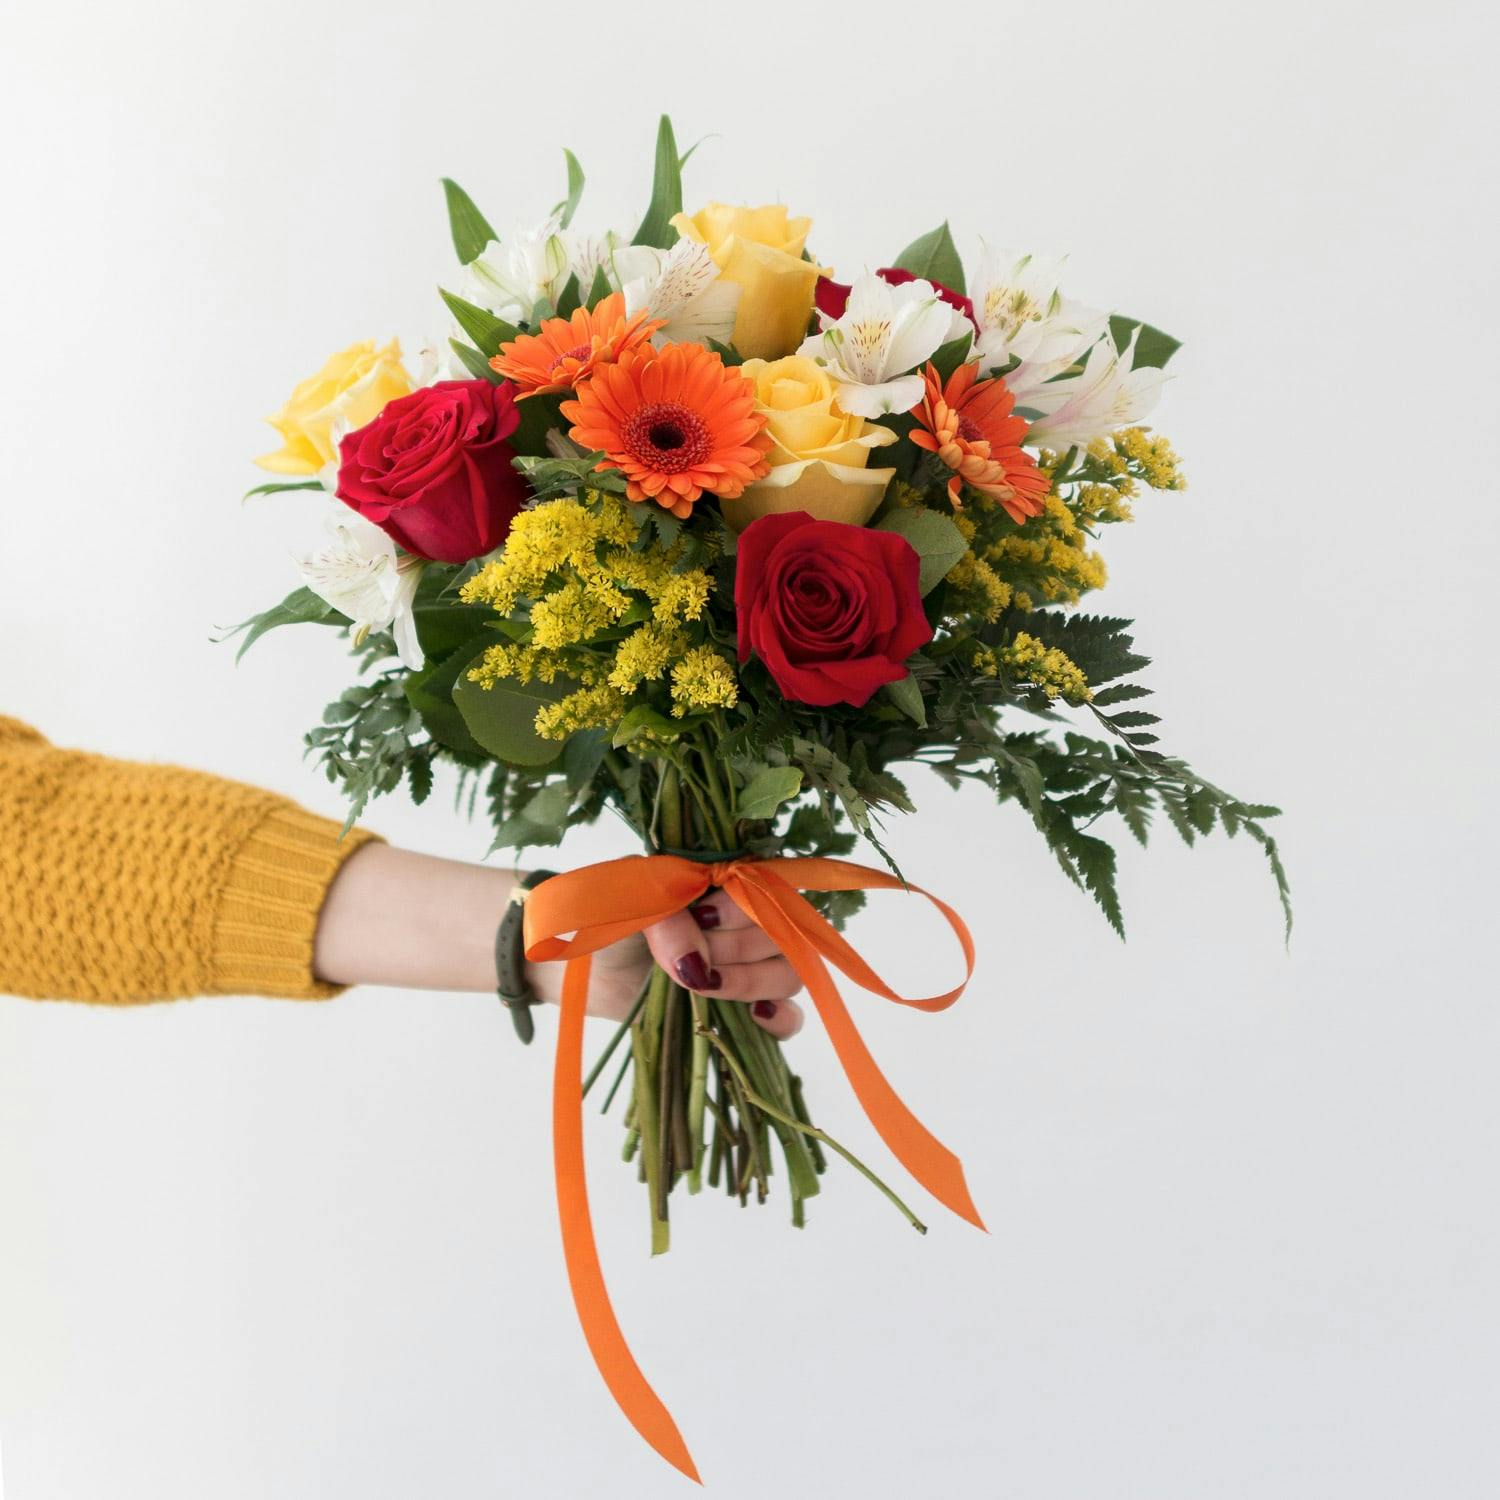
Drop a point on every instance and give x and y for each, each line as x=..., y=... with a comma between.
x=353, y=387
x=819, y=454
x=759, y=250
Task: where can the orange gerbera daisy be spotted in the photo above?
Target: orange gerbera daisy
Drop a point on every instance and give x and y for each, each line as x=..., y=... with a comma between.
x=969, y=424
x=675, y=422
x=565, y=351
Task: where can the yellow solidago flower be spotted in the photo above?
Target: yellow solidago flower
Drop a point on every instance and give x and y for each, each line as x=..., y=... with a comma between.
x=645, y=654
x=596, y=707
x=703, y=679
x=577, y=611
x=1053, y=671
x=1159, y=465
x=983, y=592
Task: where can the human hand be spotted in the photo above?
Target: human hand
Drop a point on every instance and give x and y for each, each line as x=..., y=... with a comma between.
x=712, y=948
x=409, y=920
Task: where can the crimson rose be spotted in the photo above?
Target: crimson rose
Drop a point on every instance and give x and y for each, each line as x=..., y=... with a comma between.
x=433, y=470
x=832, y=297
x=832, y=610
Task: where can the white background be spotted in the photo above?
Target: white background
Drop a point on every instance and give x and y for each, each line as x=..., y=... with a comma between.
x=1243, y=1204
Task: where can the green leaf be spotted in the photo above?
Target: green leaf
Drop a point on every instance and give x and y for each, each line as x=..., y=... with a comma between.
x=569, y=300
x=907, y=696
x=569, y=206
x=1121, y=693
x=474, y=362
x=1152, y=350
x=277, y=486
x=599, y=288
x=643, y=718
x=300, y=607
x=666, y=192
x=727, y=355
x=430, y=691
x=542, y=821
x=936, y=540
x=935, y=258
x=419, y=778
x=767, y=790
x=502, y=718
x=583, y=754
x=487, y=331
x=952, y=355
x=444, y=625
x=471, y=230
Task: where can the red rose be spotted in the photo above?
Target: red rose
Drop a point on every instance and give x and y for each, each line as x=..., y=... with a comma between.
x=433, y=470
x=832, y=610
x=832, y=296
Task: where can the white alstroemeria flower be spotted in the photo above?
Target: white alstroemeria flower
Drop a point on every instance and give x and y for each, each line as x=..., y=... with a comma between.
x=1109, y=394
x=1022, y=314
x=360, y=573
x=681, y=285
x=436, y=361
x=512, y=275
x=885, y=332
x=591, y=253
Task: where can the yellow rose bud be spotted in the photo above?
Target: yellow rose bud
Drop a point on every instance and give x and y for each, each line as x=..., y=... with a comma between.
x=353, y=387
x=819, y=454
x=760, y=251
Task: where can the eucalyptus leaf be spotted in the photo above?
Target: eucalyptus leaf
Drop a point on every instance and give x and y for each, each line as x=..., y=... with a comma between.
x=430, y=691
x=502, y=718
x=936, y=540
x=542, y=821
x=767, y=790
x=643, y=719
x=934, y=257
x=470, y=229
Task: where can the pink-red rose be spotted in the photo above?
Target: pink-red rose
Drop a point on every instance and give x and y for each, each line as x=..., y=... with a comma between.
x=434, y=472
x=832, y=610
x=833, y=296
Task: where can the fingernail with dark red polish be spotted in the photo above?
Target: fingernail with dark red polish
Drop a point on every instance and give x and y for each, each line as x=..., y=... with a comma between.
x=705, y=916
x=696, y=974
x=765, y=1010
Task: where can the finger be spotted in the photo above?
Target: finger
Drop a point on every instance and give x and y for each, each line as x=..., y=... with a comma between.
x=680, y=946
x=740, y=945
x=718, y=910
x=782, y=1018
x=768, y=979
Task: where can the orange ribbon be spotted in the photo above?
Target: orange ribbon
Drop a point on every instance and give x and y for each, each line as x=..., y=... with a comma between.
x=606, y=902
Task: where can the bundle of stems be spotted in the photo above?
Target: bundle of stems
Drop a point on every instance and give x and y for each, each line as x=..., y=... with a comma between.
x=710, y=1089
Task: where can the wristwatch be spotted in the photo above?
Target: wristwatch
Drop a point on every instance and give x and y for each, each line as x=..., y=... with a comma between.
x=516, y=995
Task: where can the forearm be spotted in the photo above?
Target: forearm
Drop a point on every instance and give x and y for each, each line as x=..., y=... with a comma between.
x=412, y=921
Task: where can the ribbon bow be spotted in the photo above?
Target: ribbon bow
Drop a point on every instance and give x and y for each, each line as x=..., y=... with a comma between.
x=603, y=903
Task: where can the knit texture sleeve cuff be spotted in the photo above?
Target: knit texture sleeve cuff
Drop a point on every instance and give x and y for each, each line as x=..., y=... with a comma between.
x=270, y=904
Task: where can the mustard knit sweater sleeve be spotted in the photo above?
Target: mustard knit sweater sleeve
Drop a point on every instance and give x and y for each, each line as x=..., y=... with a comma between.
x=122, y=883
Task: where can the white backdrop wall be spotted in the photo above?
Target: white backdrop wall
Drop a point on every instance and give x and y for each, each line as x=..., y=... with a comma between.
x=1244, y=1223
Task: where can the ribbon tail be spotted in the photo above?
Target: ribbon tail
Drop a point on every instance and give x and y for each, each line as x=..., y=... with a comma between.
x=910, y=1142
x=601, y=1329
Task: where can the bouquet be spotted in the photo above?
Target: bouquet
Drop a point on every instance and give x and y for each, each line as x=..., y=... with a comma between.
x=680, y=525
